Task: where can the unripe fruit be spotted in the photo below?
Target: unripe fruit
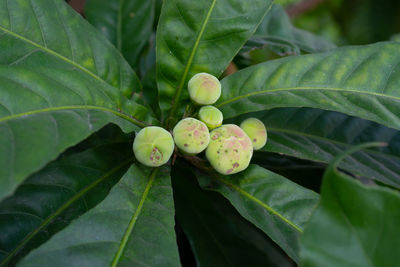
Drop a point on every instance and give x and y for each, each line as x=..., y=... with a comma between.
x=153, y=146
x=204, y=89
x=211, y=116
x=255, y=129
x=191, y=136
x=230, y=149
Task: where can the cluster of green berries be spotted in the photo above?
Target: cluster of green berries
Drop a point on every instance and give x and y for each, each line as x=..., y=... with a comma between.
x=228, y=147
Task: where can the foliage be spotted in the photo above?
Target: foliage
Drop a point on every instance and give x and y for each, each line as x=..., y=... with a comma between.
x=74, y=92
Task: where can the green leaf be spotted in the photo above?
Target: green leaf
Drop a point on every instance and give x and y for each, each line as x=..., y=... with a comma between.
x=48, y=200
x=278, y=34
x=56, y=77
x=353, y=225
x=200, y=36
x=320, y=135
x=134, y=225
x=32, y=36
x=147, y=59
x=360, y=81
x=273, y=203
x=150, y=91
x=217, y=233
x=127, y=24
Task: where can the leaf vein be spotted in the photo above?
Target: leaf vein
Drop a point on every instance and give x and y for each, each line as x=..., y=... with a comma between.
x=190, y=60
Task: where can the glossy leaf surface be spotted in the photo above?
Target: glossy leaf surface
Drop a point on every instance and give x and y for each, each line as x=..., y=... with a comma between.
x=320, y=135
x=200, y=36
x=127, y=24
x=60, y=81
x=359, y=81
x=273, y=203
x=133, y=225
x=354, y=225
x=48, y=200
x=278, y=34
x=218, y=234
x=60, y=39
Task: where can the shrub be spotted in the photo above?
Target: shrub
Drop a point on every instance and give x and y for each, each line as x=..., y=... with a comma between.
x=76, y=92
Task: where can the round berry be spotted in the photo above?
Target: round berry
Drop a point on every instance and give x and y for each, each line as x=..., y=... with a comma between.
x=191, y=136
x=257, y=132
x=211, y=116
x=230, y=149
x=153, y=146
x=204, y=89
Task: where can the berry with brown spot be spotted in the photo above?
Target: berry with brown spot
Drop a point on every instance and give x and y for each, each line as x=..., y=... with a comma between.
x=191, y=136
x=230, y=149
x=153, y=146
x=257, y=132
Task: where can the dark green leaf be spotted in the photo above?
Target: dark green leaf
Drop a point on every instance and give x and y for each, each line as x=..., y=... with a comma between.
x=127, y=24
x=320, y=135
x=150, y=91
x=59, y=81
x=360, y=81
x=217, y=233
x=273, y=203
x=278, y=34
x=200, y=36
x=48, y=200
x=147, y=59
x=353, y=225
x=303, y=172
x=133, y=226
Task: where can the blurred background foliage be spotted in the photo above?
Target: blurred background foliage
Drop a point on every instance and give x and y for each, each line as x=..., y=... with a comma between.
x=342, y=22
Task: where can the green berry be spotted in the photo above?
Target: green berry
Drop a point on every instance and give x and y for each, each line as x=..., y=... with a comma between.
x=211, y=116
x=255, y=129
x=191, y=136
x=204, y=89
x=153, y=146
x=230, y=149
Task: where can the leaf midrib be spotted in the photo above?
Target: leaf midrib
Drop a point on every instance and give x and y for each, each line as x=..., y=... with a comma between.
x=190, y=60
x=67, y=204
x=134, y=218
x=237, y=98
x=54, y=53
x=260, y=203
x=59, y=108
x=274, y=129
